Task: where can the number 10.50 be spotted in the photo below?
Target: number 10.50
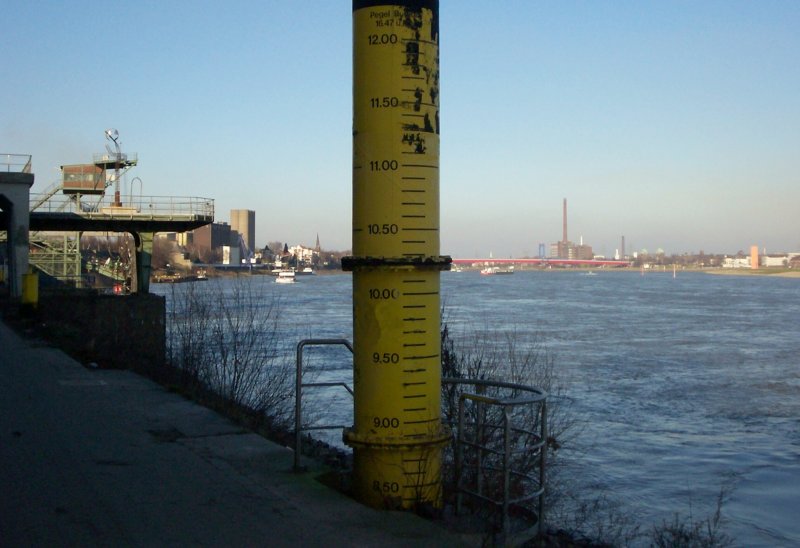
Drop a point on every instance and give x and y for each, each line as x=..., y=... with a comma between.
x=383, y=229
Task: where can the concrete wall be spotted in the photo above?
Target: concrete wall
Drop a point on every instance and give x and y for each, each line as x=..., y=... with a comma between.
x=116, y=332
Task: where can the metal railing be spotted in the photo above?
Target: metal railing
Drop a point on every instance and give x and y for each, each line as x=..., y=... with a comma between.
x=298, y=394
x=490, y=474
x=42, y=197
x=18, y=163
x=147, y=207
x=122, y=158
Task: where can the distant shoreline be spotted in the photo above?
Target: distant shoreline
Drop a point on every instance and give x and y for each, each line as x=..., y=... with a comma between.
x=777, y=272
x=758, y=272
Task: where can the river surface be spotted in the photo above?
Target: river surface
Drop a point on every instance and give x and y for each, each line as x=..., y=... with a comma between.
x=683, y=384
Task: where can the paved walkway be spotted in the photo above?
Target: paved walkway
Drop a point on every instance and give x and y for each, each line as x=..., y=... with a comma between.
x=102, y=457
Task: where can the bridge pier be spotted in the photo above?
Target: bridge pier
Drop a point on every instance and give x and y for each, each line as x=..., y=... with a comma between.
x=144, y=256
x=14, y=198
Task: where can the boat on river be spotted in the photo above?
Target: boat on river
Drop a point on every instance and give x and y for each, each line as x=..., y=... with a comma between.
x=492, y=270
x=285, y=277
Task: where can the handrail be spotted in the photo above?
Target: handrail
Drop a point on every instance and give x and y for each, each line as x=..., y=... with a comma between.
x=14, y=160
x=121, y=158
x=146, y=206
x=42, y=197
x=298, y=398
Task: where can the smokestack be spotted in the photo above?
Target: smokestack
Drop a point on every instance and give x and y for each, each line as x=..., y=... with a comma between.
x=564, y=239
x=622, y=248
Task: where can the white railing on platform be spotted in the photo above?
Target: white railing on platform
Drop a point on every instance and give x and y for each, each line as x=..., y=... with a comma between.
x=138, y=206
x=18, y=163
x=123, y=158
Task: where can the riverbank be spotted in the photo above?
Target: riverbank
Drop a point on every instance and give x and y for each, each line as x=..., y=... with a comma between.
x=772, y=272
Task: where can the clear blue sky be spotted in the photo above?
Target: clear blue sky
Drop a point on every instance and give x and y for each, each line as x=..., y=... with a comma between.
x=676, y=124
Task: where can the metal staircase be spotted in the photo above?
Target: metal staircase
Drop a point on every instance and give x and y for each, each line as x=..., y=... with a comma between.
x=57, y=255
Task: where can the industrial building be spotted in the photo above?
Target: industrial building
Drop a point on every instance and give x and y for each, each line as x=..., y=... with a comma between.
x=243, y=221
x=212, y=236
x=223, y=242
x=566, y=249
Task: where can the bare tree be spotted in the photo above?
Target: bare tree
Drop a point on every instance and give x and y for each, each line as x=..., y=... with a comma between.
x=225, y=342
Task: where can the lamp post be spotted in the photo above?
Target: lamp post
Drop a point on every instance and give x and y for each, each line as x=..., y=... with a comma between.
x=130, y=191
x=113, y=136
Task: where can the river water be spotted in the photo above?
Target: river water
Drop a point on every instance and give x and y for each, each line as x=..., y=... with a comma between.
x=684, y=384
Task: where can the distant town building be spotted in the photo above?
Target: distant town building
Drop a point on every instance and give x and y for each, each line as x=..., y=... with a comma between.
x=736, y=262
x=303, y=254
x=776, y=260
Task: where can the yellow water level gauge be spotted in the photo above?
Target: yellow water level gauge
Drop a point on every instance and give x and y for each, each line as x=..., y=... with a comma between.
x=397, y=435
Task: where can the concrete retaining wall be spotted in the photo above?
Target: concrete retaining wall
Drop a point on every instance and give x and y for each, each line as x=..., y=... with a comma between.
x=113, y=331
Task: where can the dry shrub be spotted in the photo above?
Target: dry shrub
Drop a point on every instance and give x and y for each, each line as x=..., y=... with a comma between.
x=224, y=340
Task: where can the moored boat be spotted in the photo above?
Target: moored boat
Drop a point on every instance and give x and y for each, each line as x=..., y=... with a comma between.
x=492, y=270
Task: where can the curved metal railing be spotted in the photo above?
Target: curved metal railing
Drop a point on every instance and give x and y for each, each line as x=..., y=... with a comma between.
x=506, y=464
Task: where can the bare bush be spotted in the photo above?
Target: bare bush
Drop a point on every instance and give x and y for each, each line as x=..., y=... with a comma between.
x=685, y=531
x=225, y=342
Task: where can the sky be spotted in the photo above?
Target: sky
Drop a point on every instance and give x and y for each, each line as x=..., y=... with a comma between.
x=674, y=123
